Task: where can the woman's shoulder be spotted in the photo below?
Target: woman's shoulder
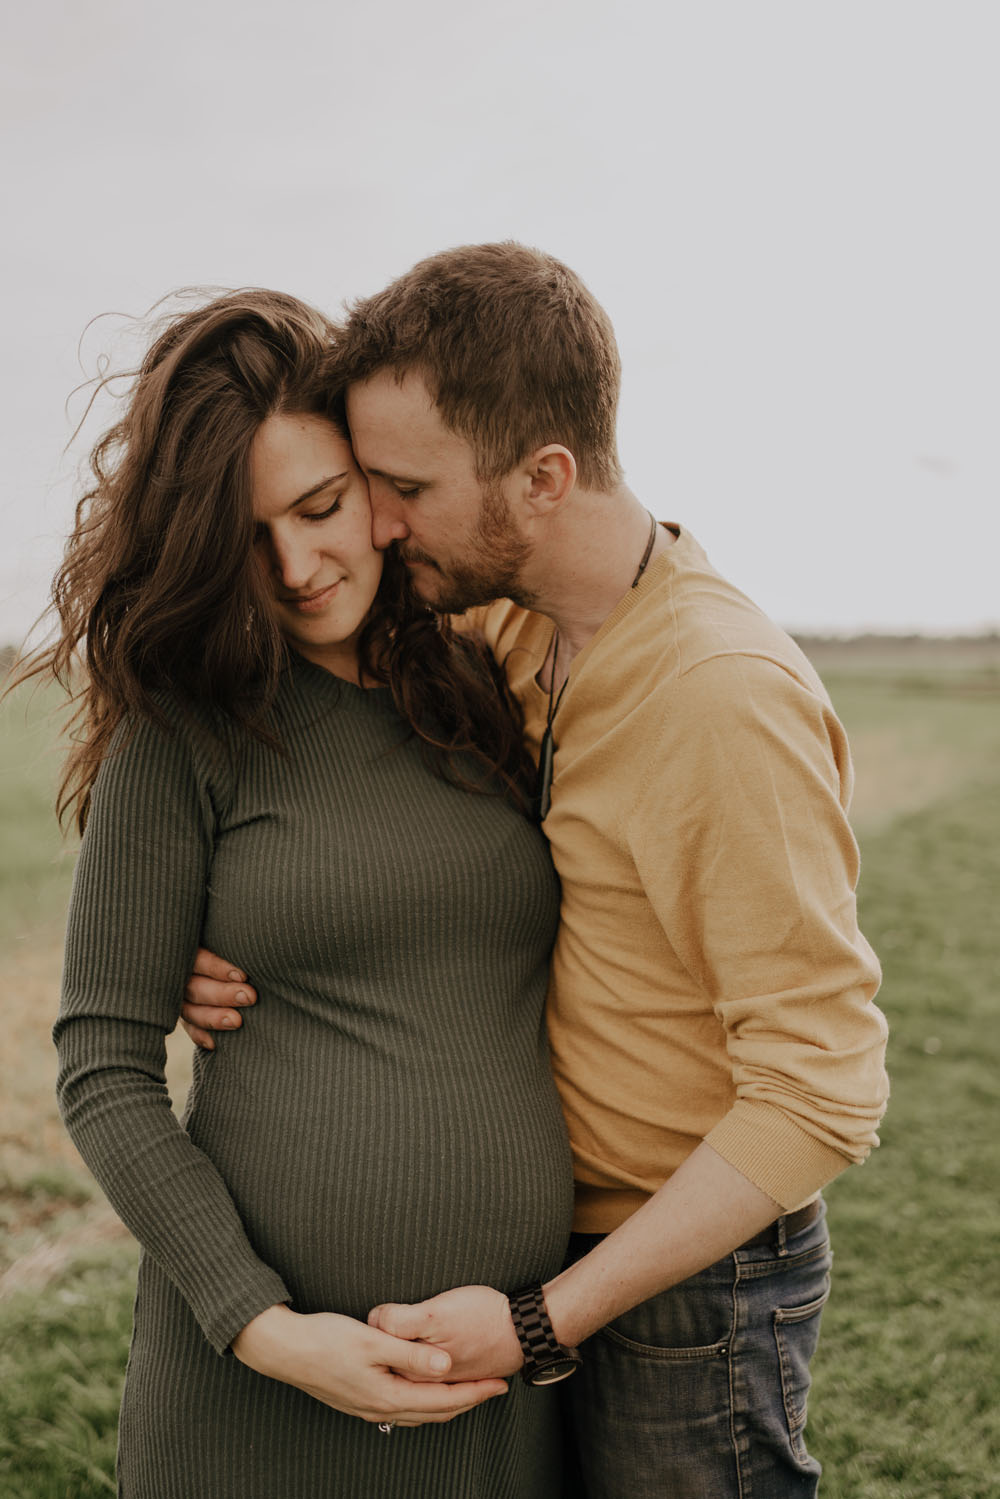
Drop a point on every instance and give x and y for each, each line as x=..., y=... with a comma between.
x=169, y=737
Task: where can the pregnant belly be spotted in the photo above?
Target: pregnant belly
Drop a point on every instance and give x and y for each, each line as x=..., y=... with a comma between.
x=361, y=1178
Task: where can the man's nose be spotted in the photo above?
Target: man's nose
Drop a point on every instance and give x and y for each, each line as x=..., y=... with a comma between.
x=388, y=523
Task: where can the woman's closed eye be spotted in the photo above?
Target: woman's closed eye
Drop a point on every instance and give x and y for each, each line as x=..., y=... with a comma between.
x=322, y=514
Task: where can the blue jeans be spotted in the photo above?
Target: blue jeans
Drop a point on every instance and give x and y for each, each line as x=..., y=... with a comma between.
x=700, y=1392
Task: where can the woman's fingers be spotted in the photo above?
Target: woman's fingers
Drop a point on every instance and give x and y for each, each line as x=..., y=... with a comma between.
x=416, y=1391
x=427, y=1403
x=416, y=1361
x=351, y=1367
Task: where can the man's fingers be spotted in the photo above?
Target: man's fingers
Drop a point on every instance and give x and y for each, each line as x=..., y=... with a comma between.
x=214, y=967
x=208, y=1018
x=200, y=990
x=200, y=1038
x=213, y=996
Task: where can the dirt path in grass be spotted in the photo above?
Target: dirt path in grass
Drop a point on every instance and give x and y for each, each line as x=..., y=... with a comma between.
x=50, y=1207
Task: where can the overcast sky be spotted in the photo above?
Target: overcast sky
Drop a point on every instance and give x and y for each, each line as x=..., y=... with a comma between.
x=789, y=209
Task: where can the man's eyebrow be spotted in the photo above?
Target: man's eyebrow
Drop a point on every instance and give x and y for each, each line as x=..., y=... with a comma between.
x=310, y=494
x=406, y=479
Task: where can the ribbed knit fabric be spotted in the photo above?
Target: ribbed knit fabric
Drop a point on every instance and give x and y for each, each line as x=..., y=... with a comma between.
x=384, y=1125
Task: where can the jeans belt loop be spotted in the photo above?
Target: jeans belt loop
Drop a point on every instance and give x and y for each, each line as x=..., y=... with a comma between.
x=778, y=1233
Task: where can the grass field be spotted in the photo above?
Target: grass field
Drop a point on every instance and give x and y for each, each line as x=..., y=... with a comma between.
x=906, y=1402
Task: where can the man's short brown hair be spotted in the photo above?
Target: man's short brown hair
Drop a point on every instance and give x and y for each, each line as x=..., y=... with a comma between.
x=514, y=348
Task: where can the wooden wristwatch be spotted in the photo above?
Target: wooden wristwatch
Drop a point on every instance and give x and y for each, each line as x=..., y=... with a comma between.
x=546, y=1360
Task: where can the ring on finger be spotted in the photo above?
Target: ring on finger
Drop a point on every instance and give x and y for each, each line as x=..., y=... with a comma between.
x=386, y=1426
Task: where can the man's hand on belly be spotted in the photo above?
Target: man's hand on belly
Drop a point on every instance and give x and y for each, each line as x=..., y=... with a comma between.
x=472, y=1324
x=214, y=996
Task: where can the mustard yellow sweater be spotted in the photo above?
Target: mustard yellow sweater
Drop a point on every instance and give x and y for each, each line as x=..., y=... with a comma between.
x=709, y=981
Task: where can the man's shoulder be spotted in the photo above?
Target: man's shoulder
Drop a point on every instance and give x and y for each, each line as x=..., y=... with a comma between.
x=696, y=620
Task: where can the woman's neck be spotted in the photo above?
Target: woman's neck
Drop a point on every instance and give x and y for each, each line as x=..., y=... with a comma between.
x=340, y=659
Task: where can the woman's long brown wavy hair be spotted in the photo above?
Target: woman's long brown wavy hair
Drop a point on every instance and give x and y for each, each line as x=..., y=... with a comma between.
x=160, y=589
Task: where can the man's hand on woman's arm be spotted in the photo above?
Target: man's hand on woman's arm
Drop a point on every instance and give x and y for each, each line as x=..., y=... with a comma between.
x=357, y=1369
x=214, y=997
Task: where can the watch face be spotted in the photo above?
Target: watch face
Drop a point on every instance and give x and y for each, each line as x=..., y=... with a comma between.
x=551, y=1373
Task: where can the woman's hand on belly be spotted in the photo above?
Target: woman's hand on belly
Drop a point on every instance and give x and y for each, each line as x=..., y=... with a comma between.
x=357, y=1369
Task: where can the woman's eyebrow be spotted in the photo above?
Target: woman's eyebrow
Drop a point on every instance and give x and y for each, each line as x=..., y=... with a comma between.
x=309, y=494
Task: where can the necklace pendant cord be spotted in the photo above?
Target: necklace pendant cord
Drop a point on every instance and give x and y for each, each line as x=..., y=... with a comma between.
x=543, y=788
x=648, y=552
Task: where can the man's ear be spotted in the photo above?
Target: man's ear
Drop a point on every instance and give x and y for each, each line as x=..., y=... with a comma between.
x=549, y=477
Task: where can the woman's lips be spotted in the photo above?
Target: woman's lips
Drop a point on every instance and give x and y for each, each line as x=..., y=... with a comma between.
x=313, y=603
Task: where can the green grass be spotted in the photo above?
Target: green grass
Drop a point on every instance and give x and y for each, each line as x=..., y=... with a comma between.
x=61, y=1360
x=36, y=863
x=915, y=738
x=905, y=1396
x=906, y=1380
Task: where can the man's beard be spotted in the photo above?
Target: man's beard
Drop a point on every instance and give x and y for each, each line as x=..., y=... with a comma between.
x=491, y=568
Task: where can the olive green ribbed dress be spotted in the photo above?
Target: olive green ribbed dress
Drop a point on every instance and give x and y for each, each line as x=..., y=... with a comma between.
x=384, y=1125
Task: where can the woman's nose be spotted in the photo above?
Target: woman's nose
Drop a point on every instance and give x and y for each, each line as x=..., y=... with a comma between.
x=294, y=563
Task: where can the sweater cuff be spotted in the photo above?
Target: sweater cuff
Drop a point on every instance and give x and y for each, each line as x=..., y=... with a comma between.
x=775, y=1153
x=253, y=1295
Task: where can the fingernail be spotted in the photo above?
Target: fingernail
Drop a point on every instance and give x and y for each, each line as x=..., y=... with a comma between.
x=237, y=977
x=439, y=1362
x=241, y=998
x=228, y=1021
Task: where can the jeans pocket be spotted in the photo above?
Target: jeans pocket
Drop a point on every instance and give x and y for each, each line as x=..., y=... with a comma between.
x=693, y=1320
x=796, y=1333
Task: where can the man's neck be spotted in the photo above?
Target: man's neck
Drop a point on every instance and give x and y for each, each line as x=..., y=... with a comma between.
x=586, y=563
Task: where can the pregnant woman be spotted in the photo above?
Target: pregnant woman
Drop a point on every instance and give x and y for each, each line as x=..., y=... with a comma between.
x=281, y=754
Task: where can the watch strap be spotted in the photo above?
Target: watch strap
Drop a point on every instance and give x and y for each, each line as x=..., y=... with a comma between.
x=535, y=1333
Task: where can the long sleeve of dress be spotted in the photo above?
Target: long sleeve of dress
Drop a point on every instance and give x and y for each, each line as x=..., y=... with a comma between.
x=134, y=922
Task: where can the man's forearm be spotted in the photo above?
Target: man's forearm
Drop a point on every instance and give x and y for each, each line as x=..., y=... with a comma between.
x=703, y=1212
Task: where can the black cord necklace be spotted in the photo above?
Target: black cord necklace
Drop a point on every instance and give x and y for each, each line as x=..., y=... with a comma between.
x=546, y=754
